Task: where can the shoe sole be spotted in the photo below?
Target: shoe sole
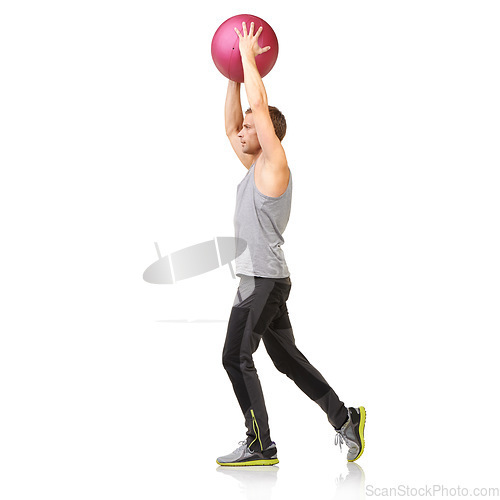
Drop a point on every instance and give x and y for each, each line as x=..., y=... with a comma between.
x=251, y=462
x=362, y=420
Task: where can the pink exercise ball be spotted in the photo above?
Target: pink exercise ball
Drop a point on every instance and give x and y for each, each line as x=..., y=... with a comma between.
x=226, y=51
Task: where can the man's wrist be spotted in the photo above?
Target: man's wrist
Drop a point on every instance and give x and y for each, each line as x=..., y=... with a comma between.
x=249, y=58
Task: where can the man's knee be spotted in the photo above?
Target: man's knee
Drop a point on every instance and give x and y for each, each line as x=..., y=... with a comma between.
x=235, y=364
x=282, y=366
x=229, y=360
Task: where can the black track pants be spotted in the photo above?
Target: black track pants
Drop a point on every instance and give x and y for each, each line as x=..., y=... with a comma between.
x=259, y=311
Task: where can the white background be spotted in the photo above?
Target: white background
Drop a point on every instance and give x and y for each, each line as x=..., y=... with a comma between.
x=112, y=138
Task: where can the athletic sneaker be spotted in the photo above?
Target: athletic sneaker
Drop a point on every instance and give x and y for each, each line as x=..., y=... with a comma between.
x=245, y=456
x=352, y=433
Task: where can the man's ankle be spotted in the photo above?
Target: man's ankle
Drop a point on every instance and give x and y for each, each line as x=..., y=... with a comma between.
x=345, y=421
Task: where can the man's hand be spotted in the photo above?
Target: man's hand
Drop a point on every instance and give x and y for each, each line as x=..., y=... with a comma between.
x=249, y=46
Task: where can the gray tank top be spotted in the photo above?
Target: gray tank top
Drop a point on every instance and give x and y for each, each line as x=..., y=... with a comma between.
x=259, y=223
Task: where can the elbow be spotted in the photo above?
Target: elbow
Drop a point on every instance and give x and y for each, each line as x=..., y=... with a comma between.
x=232, y=131
x=258, y=104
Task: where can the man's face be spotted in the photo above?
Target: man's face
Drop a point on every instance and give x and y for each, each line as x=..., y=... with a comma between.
x=248, y=136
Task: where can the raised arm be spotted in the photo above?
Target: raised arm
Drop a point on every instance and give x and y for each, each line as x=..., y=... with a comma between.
x=272, y=150
x=233, y=112
x=233, y=115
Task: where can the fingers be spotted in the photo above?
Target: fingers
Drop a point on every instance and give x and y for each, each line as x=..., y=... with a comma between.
x=251, y=33
x=259, y=31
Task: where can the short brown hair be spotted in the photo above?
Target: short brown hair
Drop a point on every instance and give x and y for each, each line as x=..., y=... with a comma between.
x=278, y=120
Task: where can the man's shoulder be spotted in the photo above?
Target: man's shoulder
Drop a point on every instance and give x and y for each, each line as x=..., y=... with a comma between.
x=272, y=180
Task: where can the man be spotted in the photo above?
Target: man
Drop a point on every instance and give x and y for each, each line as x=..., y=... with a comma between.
x=259, y=310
